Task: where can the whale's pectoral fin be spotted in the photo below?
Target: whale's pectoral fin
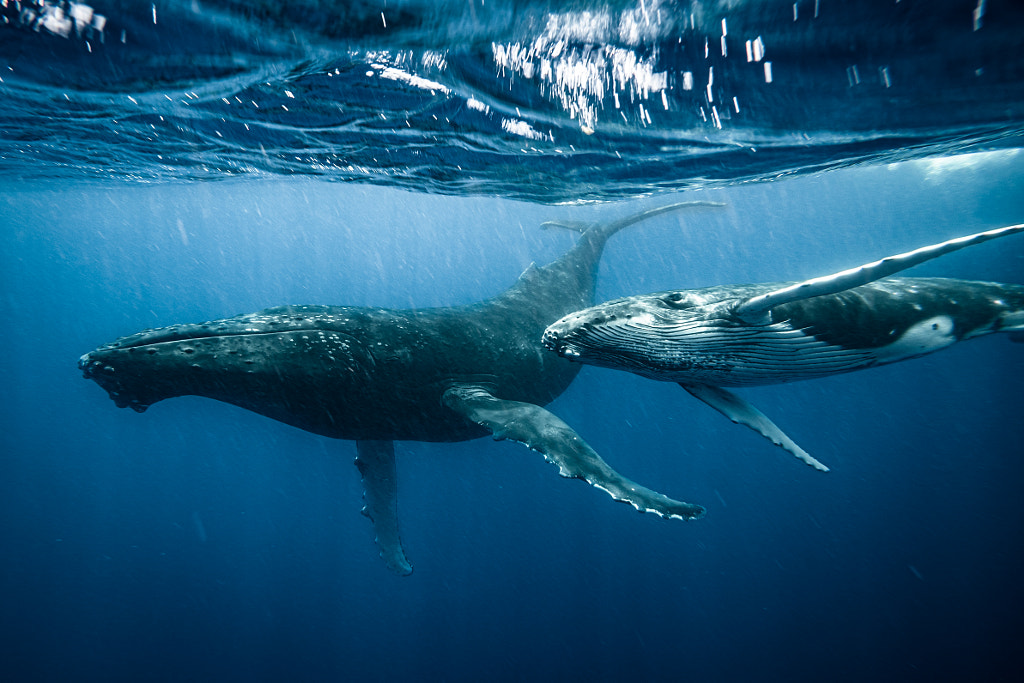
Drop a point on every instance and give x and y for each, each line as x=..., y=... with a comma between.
x=376, y=463
x=545, y=433
x=755, y=308
x=741, y=412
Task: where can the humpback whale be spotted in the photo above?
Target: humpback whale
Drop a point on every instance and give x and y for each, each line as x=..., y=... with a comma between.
x=377, y=375
x=746, y=335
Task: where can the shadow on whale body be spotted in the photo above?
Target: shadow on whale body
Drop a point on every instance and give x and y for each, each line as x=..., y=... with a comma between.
x=747, y=335
x=378, y=375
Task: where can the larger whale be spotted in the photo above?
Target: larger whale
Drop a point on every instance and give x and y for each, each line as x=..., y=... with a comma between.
x=746, y=335
x=378, y=375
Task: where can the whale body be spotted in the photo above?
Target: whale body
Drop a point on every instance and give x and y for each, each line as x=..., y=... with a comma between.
x=377, y=375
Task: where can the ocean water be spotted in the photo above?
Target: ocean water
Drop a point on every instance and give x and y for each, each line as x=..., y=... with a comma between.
x=199, y=541
x=529, y=99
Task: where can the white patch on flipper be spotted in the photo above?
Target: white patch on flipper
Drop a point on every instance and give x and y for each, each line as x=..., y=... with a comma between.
x=924, y=337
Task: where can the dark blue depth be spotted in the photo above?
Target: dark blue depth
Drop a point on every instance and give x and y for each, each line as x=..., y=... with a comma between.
x=202, y=542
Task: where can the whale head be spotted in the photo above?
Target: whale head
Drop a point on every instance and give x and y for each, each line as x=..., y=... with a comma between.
x=667, y=335
x=153, y=365
x=246, y=360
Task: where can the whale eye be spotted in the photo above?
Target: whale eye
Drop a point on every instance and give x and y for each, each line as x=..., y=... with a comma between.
x=676, y=300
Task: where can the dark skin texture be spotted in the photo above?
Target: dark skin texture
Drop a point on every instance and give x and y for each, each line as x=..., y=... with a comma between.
x=378, y=375
x=361, y=373
x=366, y=373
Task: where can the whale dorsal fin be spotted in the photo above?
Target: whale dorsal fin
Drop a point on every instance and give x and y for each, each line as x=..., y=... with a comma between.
x=756, y=306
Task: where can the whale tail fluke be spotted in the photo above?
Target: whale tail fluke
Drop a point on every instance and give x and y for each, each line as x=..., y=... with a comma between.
x=602, y=231
x=584, y=256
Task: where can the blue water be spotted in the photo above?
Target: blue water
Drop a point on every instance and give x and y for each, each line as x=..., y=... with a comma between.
x=202, y=542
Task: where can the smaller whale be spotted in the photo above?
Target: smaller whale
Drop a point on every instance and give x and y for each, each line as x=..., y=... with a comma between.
x=746, y=335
